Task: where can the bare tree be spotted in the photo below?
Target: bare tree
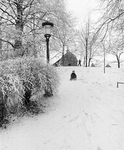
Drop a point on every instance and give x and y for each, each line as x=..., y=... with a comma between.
x=117, y=47
x=0, y=35
x=113, y=16
x=64, y=33
x=15, y=16
x=89, y=41
x=22, y=19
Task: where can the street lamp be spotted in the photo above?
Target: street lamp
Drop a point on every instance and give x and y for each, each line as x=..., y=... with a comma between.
x=48, y=26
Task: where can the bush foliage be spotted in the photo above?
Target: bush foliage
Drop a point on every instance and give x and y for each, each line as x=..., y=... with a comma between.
x=23, y=80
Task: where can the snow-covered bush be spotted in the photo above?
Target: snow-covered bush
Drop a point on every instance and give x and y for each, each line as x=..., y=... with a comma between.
x=37, y=76
x=11, y=88
x=23, y=80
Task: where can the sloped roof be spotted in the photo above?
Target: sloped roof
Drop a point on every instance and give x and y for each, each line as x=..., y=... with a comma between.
x=69, y=54
x=55, y=58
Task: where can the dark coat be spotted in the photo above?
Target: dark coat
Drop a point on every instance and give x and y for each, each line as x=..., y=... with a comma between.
x=73, y=76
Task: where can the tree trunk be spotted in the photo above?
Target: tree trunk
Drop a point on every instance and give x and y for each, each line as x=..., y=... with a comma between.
x=0, y=35
x=118, y=61
x=19, y=28
x=104, y=60
x=89, y=62
x=86, y=50
x=34, y=35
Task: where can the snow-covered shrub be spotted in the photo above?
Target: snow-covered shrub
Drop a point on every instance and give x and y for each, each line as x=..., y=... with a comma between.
x=24, y=79
x=37, y=76
x=11, y=92
x=51, y=81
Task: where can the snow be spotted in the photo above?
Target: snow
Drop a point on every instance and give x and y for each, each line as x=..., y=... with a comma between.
x=86, y=114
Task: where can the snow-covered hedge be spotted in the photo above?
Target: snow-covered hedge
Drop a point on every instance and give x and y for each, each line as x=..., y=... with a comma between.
x=12, y=92
x=23, y=80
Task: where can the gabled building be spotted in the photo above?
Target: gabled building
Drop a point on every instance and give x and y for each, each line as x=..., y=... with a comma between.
x=67, y=59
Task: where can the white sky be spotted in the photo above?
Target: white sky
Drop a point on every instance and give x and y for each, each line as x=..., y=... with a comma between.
x=81, y=9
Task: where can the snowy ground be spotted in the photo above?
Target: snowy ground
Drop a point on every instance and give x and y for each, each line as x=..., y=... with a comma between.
x=87, y=114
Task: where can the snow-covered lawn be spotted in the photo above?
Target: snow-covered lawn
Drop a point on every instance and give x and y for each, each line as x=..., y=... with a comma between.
x=87, y=114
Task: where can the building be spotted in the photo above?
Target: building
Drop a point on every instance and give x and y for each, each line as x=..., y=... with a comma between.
x=67, y=59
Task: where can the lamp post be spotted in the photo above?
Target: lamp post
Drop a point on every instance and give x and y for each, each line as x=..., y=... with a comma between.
x=47, y=25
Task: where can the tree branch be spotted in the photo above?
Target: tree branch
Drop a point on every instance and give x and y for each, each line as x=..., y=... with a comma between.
x=7, y=42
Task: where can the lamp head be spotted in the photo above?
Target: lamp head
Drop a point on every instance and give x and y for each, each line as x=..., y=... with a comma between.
x=48, y=26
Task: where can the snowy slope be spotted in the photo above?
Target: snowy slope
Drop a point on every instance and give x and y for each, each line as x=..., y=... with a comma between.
x=87, y=114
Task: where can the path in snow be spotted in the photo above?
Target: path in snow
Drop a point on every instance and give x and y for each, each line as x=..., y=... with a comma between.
x=87, y=114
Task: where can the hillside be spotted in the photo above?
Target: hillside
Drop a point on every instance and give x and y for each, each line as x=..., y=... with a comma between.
x=86, y=114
